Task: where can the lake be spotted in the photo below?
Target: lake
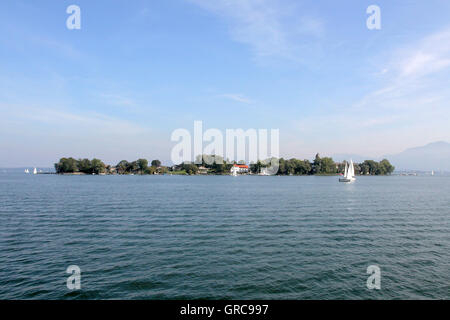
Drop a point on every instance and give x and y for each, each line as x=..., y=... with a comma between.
x=223, y=237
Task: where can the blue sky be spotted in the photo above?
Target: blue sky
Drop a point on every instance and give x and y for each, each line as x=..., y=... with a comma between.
x=137, y=70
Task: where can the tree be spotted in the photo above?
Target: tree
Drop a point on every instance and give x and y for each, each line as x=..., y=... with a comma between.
x=304, y=167
x=133, y=167
x=281, y=166
x=142, y=165
x=156, y=163
x=385, y=167
x=357, y=168
x=97, y=166
x=122, y=167
x=328, y=166
x=369, y=167
x=290, y=166
x=190, y=168
x=150, y=170
x=220, y=166
x=323, y=165
x=85, y=166
x=256, y=167
x=317, y=165
x=66, y=165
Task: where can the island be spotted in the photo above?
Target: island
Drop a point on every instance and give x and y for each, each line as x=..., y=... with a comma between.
x=215, y=165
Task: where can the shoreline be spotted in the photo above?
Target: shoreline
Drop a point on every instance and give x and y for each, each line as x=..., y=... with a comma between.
x=215, y=175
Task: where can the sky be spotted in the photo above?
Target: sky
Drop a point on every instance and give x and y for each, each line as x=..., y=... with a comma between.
x=137, y=70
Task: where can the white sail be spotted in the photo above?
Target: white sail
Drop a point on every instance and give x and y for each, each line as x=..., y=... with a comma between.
x=349, y=173
x=351, y=170
x=35, y=171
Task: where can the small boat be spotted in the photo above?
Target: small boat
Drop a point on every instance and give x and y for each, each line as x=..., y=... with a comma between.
x=432, y=172
x=234, y=171
x=35, y=171
x=27, y=171
x=349, y=173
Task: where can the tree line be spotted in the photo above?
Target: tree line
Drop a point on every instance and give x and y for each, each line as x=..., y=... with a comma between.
x=96, y=166
x=326, y=166
x=217, y=165
x=319, y=166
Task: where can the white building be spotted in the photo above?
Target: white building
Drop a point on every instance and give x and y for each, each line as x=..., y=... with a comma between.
x=239, y=168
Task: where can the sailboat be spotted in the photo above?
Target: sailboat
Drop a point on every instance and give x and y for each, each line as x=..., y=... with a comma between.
x=349, y=173
x=35, y=171
x=27, y=171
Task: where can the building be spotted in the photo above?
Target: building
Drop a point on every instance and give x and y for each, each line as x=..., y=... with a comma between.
x=239, y=168
x=202, y=170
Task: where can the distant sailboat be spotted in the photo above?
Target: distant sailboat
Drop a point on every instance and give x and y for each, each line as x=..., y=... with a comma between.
x=432, y=172
x=35, y=171
x=27, y=171
x=349, y=173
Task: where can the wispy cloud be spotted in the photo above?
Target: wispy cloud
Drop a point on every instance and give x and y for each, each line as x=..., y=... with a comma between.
x=408, y=102
x=430, y=55
x=43, y=134
x=237, y=98
x=66, y=120
x=117, y=100
x=271, y=28
x=415, y=76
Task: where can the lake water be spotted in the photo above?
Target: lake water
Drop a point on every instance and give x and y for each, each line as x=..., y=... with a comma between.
x=248, y=237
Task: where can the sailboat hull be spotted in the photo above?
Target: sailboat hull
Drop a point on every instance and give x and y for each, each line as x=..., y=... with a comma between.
x=346, y=180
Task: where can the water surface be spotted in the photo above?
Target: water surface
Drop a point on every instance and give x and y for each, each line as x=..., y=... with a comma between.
x=248, y=237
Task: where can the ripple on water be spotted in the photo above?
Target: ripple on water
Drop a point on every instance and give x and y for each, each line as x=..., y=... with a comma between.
x=220, y=238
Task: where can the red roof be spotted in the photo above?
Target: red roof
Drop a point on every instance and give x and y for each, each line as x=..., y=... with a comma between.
x=241, y=166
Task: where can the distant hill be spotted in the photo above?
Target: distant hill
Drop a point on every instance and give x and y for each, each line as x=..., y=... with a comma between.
x=433, y=156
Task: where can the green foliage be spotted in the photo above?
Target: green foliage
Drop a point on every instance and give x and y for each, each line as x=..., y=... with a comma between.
x=149, y=170
x=97, y=166
x=66, y=165
x=85, y=166
x=256, y=167
x=133, y=167
x=190, y=168
x=70, y=165
x=122, y=167
x=386, y=167
x=328, y=166
x=142, y=165
x=156, y=163
x=217, y=165
x=317, y=164
x=370, y=167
